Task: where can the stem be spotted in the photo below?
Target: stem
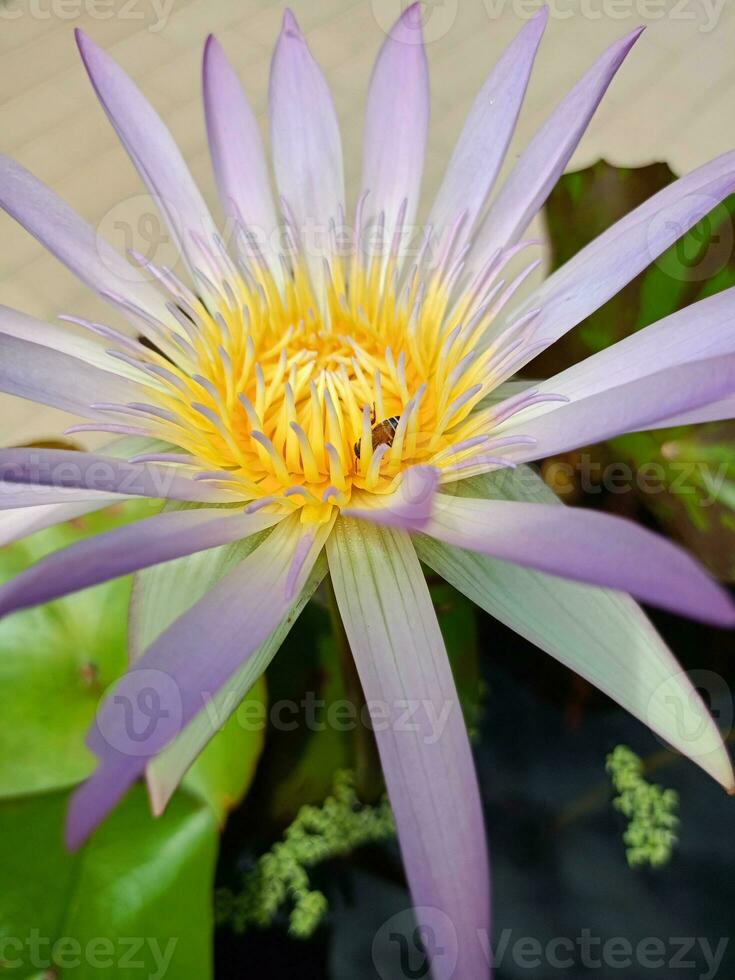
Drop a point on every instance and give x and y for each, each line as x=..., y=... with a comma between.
x=368, y=772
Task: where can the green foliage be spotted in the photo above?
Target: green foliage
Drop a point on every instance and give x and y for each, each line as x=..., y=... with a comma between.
x=222, y=774
x=456, y=615
x=138, y=877
x=55, y=661
x=650, y=810
x=136, y=895
x=305, y=753
x=692, y=493
x=280, y=876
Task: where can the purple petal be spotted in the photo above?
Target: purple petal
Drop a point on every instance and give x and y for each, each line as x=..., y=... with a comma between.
x=63, y=339
x=153, y=151
x=167, y=770
x=702, y=330
x=38, y=470
x=603, y=267
x=305, y=140
x=60, y=505
x=544, y=159
x=19, y=523
x=482, y=146
x=647, y=402
x=160, y=595
x=127, y=549
x=25, y=497
x=39, y=363
x=60, y=229
x=397, y=124
x=180, y=673
x=712, y=412
x=236, y=148
x=400, y=656
x=410, y=506
x=584, y=546
x=602, y=635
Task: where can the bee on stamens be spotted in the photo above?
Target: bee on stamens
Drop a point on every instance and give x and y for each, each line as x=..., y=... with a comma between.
x=383, y=433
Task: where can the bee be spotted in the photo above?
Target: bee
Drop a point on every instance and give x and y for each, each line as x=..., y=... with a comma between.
x=383, y=433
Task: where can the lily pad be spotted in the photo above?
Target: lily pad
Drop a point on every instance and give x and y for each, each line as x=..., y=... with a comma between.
x=135, y=901
x=55, y=661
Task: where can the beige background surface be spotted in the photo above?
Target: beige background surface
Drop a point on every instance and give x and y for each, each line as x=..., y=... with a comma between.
x=673, y=100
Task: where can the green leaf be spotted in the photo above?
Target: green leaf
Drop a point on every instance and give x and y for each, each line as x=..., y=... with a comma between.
x=55, y=661
x=456, y=615
x=303, y=758
x=695, y=502
x=134, y=902
x=701, y=263
x=581, y=207
x=224, y=771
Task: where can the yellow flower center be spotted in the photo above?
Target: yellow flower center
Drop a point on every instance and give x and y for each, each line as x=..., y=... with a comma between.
x=272, y=392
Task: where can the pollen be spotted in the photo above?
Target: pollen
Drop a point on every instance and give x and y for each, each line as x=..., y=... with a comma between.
x=267, y=383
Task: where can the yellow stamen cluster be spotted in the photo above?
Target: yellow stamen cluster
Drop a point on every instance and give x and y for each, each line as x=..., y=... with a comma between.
x=268, y=389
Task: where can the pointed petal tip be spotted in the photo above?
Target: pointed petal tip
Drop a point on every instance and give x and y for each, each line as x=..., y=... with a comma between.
x=424, y=475
x=718, y=608
x=629, y=40
x=157, y=795
x=87, y=47
x=409, y=28
x=727, y=618
x=412, y=14
x=290, y=26
x=211, y=46
x=76, y=830
x=83, y=41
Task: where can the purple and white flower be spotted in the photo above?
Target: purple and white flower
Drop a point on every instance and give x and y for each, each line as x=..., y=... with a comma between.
x=307, y=408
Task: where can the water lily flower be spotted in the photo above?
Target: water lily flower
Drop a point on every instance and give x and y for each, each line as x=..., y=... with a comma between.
x=309, y=405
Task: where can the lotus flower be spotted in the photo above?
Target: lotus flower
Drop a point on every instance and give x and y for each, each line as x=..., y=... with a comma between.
x=308, y=407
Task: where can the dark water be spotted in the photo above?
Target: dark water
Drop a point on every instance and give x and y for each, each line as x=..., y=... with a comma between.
x=566, y=904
